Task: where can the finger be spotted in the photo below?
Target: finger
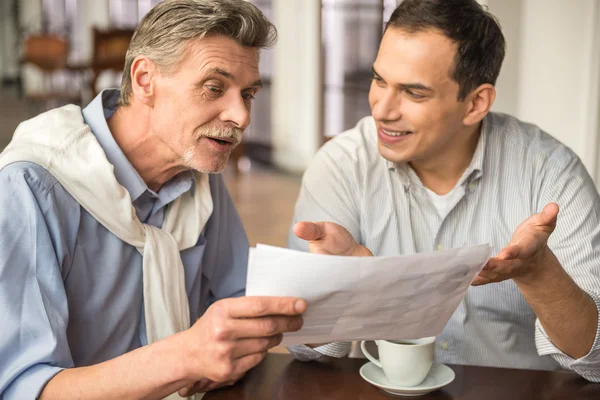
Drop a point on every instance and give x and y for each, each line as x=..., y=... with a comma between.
x=489, y=276
x=244, y=347
x=213, y=386
x=194, y=388
x=245, y=363
x=216, y=385
x=503, y=267
x=496, y=273
x=479, y=281
x=264, y=327
x=201, y=386
x=185, y=392
x=260, y=306
x=309, y=231
x=510, y=252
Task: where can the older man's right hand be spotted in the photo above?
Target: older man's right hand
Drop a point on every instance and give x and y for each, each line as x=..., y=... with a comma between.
x=235, y=334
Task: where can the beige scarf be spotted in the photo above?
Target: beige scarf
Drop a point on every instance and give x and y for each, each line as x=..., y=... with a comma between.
x=59, y=141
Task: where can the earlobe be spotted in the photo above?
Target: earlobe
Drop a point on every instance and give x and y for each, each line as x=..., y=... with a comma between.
x=481, y=101
x=142, y=80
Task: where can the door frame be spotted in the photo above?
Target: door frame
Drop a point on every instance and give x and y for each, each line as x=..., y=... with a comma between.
x=592, y=109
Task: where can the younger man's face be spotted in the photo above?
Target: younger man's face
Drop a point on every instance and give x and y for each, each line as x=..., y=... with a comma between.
x=413, y=98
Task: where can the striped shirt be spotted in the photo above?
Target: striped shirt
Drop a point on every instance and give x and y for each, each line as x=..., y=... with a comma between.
x=516, y=170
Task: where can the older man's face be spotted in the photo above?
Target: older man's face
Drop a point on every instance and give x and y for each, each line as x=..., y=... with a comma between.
x=202, y=107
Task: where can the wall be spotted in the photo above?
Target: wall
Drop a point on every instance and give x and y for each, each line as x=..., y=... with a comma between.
x=509, y=13
x=296, y=90
x=550, y=76
x=92, y=13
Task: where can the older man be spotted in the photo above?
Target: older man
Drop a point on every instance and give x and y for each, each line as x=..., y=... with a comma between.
x=114, y=238
x=434, y=169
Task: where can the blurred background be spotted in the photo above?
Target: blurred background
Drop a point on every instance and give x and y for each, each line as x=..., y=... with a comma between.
x=54, y=52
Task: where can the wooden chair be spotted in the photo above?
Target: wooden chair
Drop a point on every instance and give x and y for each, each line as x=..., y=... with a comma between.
x=49, y=54
x=110, y=48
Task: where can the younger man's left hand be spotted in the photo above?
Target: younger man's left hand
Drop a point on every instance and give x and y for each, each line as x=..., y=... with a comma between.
x=527, y=255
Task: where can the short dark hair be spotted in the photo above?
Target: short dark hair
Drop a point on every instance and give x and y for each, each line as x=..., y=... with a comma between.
x=476, y=32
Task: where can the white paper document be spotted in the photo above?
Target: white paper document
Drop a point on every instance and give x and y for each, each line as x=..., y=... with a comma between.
x=356, y=298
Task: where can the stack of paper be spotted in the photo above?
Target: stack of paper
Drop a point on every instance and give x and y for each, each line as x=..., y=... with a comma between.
x=354, y=298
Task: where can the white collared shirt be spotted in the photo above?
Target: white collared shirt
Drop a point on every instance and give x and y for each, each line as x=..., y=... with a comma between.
x=515, y=171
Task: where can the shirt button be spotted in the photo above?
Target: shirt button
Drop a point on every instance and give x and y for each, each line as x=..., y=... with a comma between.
x=472, y=185
x=444, y=345
x=439, y=247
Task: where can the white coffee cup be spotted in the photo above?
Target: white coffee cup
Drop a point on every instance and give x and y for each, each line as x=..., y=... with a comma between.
x=404, y=362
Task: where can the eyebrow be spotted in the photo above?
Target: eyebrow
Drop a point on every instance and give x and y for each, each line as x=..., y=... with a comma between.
x=404, y=86
x=258, y=83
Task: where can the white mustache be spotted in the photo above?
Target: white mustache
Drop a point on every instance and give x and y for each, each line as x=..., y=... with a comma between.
x=222, y=132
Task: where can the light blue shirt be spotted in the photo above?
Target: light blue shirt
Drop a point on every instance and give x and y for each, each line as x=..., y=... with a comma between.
x=70, y=290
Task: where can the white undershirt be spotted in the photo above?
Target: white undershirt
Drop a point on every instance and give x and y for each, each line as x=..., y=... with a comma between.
x=442, y=203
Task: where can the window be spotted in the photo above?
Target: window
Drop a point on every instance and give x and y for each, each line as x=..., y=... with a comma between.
x=351, y=32
x=128, y=13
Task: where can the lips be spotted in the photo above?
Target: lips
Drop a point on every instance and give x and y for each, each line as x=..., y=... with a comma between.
x=221, y=145
x=393, y=136
x=223, y=140
x=395, y=133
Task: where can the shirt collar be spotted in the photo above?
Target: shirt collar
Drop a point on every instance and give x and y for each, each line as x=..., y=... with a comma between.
x=473, y=171
x=95, y=116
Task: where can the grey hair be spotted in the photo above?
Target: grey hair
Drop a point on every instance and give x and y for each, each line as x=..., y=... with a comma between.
x=165, y=31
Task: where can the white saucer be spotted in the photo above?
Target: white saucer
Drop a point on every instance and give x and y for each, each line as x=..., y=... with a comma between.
x=440, y=375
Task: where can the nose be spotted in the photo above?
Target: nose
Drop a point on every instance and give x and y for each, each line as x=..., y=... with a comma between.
x=386, y=106
x=236, y=112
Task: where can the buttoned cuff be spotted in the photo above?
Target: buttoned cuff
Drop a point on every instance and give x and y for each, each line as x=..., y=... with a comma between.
x=334, y=349
x=30, y=383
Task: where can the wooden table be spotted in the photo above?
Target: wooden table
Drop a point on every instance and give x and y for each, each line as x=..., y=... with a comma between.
x=280, y=377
